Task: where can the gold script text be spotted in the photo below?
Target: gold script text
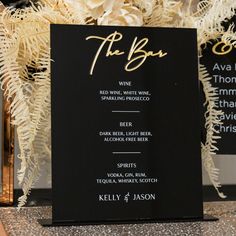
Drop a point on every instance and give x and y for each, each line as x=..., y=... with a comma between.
x=221, y=48
x=136, y=56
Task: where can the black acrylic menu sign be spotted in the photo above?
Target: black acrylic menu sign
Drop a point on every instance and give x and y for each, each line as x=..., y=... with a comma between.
x=220, y=62
x=125, y=124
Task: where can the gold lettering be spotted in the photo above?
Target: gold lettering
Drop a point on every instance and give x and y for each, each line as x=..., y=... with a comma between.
x=137, y=54
x=137, y=48
x=114, y=37
x=221, y=48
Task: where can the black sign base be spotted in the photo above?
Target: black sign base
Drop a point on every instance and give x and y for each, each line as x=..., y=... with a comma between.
x=49, y=223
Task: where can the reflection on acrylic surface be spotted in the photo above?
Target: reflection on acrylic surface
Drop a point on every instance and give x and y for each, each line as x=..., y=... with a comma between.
x=7, y=152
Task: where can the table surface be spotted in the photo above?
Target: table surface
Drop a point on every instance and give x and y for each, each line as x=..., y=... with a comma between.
x=24, y=223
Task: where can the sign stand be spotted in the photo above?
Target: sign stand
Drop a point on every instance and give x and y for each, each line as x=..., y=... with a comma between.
x=50, y=223
x=125, y=126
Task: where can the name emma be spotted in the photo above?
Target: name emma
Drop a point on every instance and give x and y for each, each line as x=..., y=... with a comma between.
x=137, y=54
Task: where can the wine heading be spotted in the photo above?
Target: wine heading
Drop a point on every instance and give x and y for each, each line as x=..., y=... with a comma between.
x=137, y=54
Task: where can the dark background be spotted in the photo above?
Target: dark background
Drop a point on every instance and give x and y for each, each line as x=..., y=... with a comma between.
x=79, y=156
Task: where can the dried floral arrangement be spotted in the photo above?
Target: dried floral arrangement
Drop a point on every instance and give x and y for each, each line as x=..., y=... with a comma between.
x=25, y=63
